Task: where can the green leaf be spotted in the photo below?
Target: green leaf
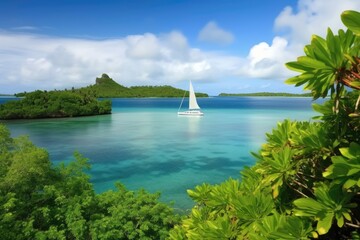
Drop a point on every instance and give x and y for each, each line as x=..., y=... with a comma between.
x=333, y=42
x=347, y=216
x=323, y=109
x=351, y=20
x=311, y=62
x=324, y=224
x=321, y=52
x=340, y=221
x=353, y=171
x=299, y=80
x=355, y=84
x=296, y=66
x=307, y=207
x=309, y=51
x=353, y=152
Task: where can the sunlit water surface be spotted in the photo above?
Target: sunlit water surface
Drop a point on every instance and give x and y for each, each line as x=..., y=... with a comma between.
x=144, y=144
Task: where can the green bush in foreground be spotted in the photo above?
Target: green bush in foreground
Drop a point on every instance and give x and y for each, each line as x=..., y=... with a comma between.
x=306, y=182
x=39, y=201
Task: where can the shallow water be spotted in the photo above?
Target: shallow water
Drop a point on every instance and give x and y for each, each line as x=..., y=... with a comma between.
x=144, y=144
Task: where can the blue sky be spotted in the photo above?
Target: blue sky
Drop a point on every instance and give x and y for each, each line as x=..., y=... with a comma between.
x=222, y=46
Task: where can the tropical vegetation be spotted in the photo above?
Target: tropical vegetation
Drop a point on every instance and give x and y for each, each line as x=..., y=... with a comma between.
x=306, y=181
x=41, y=201
x=54, y=104
x=106, y=87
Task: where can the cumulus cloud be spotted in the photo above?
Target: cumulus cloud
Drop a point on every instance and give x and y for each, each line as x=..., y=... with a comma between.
x=146, y=46
x=32, y=61
x=43, y=62
x=296, y=27
x=214, y=34
x=313, y=17
x=267, y=61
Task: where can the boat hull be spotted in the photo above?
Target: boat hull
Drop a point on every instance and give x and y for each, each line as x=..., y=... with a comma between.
x=191, y=113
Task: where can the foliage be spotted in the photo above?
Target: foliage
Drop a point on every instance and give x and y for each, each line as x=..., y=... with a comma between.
x=331, y=202
x=43, y=104
x=130, y=215
x=328, y=64
x=40, y=201
x=346, y=168
x=351, y=19
x=106, y=87
x=305, y=183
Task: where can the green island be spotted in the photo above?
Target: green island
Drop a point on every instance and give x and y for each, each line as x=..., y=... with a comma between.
x=54, y=104
x=265, y=94
x=106, y=87
x=304, y=185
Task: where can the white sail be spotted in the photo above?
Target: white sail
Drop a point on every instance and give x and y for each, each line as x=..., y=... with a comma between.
x=194, y=109
x=192, y=99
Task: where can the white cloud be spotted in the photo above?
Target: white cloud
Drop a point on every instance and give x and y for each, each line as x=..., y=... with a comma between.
x=214, y=34
x=31, y=62
x=146, y=46
x=313, y=17
x=296, y=26
x=267, y=61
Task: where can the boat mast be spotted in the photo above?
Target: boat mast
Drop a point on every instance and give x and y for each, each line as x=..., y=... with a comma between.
x=182, y=101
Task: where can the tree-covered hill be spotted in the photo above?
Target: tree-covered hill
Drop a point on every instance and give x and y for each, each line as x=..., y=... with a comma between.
x=106, y=87
x=54, y=104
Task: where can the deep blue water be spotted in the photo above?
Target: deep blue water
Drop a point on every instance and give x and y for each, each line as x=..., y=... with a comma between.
x=144, y=144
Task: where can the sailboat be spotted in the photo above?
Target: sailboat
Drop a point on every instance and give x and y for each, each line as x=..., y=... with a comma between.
x=194, y=109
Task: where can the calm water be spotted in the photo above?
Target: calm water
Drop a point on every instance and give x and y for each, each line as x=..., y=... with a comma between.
x=144, y=144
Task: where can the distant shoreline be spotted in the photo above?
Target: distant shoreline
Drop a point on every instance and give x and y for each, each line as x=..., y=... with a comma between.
x=220, y=95
x=265, y=94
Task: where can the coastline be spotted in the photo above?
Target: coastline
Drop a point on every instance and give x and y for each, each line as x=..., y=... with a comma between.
x=265, y=94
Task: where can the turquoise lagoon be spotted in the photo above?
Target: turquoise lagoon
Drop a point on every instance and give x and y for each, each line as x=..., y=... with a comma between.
x=145, y=144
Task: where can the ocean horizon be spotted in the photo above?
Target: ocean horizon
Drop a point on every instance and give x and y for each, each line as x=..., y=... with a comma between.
x=145, y=144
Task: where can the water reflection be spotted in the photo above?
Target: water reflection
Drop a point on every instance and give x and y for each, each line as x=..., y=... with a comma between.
x=193, y=124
